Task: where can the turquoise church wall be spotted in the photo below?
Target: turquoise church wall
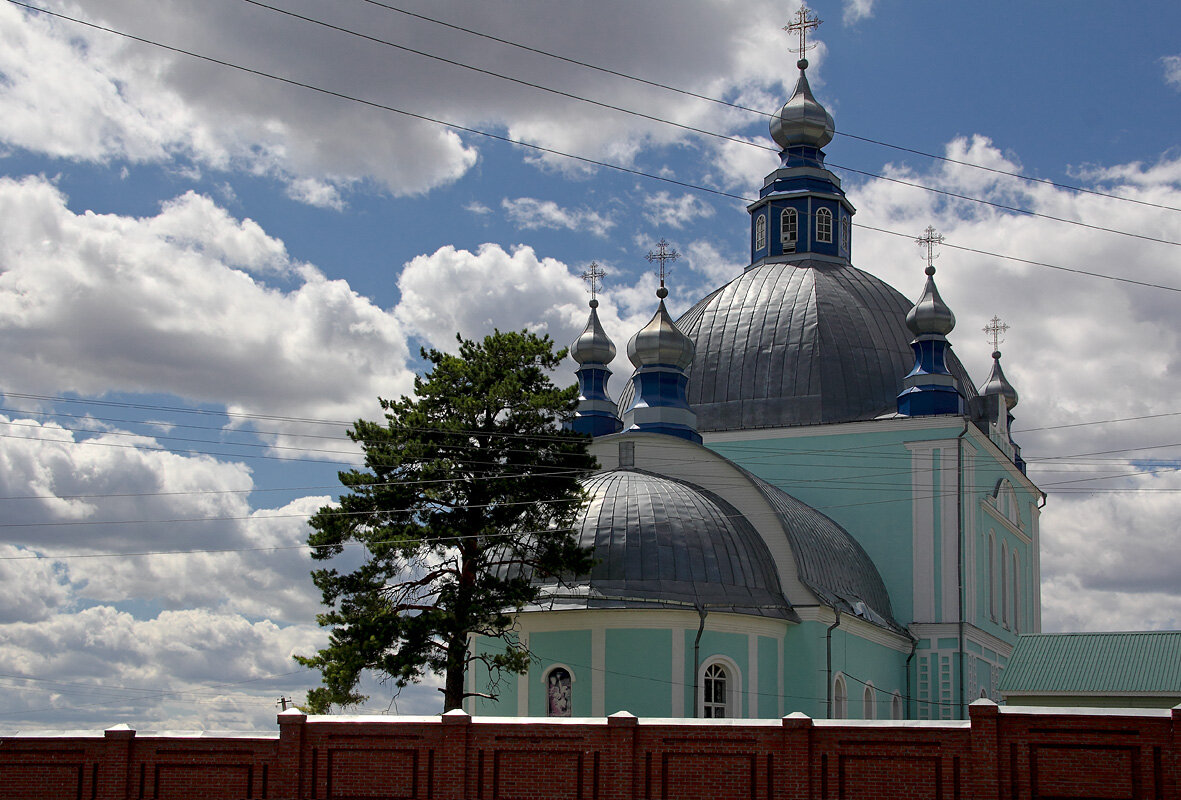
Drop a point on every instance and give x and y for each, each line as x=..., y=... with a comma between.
x=571, y=649
x=506, y=690
x=639, y=672
x=768, y=688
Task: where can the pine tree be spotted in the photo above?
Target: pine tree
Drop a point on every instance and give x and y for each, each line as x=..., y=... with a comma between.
x=468, y=495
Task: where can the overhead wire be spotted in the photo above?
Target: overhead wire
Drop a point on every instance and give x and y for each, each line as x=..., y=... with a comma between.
x=759, y=112
x=528, y=145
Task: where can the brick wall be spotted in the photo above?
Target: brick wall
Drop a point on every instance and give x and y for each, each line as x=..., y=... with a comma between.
x=1010, y=753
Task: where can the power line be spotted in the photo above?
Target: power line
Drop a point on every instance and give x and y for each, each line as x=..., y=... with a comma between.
x=690, y=128
x=759, y=112
x=520, y=143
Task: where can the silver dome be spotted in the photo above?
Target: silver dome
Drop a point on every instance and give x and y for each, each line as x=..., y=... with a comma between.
x=802, y=120
x=803, y=343
x=662, y=542
x=660, y=342
x=593, y=346
x=999, y=384
x=930, y=314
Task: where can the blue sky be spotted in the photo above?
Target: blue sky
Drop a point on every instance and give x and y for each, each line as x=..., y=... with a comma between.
x=178, y=237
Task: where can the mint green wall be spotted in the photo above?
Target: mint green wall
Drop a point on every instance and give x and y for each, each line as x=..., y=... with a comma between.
x=639, y=672
x=864, y=662
x=768, y=689
x=835, y=474
x=506, y=704
x=804, y=687
x=572, y=649
x=717, y=643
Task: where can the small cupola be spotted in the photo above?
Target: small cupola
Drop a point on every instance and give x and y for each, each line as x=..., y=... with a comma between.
x=661, y=353
x=594, y=350
x=929, y=387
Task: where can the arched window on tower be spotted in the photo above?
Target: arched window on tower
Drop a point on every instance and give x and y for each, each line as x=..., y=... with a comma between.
x=845, y=233
x=1005, y=584
x=840, y=698
x=760, y=232
x=869, y=706
x=824, y=226
x=898, y=711
x=1016, y=617
x=992, y=592
x=789, y=229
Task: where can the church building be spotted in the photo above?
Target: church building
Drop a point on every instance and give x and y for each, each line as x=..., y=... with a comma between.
x=803, y=504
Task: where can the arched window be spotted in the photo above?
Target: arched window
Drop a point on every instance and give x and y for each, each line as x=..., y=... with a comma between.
x=559, y=698
x=898, y=711
x=760, y=231
x=845, y=233
x=716, y=692
x=840, y=698
x=789, y=229
x=992, y=593
x=1016, y=617
x=869, y=709
x=1004, y=584
x=824, y=225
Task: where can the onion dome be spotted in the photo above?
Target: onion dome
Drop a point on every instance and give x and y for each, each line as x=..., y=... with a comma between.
x=593, y=346
x=999, y=384
x=930, y=314
x=802, y=120
x=660, y=342
x=593, y=350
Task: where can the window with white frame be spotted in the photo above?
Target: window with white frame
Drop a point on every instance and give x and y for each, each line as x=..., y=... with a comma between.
x=760, y=231
x=845, y=233
x=719, y=690
x=869, y=709
x=789, y=229
x=840, y=698
x=898, y=711
x=824, y=225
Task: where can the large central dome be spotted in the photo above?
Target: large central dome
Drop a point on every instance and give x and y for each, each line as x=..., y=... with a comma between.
x=800, y=343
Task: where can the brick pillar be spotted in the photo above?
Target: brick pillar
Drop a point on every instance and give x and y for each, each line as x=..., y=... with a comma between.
x=287, y=782
x=793, y=764
x=619, y=773
x=452, y=768
x=1172, y=760
x=982, y=775
x=114, y=773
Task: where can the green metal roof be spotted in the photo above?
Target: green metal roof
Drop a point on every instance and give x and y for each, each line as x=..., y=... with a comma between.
x=1145, y=662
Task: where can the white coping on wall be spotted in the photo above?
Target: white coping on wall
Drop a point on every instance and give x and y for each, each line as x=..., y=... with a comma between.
x=892, y=723
x=1082, y=711
x=52, y=734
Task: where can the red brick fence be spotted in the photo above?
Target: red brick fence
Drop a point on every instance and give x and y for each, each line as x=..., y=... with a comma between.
x=1001, y=753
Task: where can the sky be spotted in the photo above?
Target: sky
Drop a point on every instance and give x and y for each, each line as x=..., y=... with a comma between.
x=207, y=270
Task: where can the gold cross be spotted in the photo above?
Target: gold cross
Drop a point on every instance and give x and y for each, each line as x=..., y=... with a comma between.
x=594, y=273
x=929, y=239
x=995, y=330
x=804, y=22
x=663, y=254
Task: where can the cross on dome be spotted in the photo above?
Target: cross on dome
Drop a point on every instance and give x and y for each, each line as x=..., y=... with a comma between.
x=593, y=275
x=804, y=22
x=663, y=253
x=929, y=240
x=995, y=330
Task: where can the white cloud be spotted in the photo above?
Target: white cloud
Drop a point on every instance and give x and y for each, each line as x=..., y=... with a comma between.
x=857, y=10
x=83, y=94
x=176, y=304
x=529, y=213
x=316, y=193
x=1172, y=67
x=664, y=210
x=476, y=207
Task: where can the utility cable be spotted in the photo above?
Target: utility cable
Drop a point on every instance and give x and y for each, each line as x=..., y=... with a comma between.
x=517, y=142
